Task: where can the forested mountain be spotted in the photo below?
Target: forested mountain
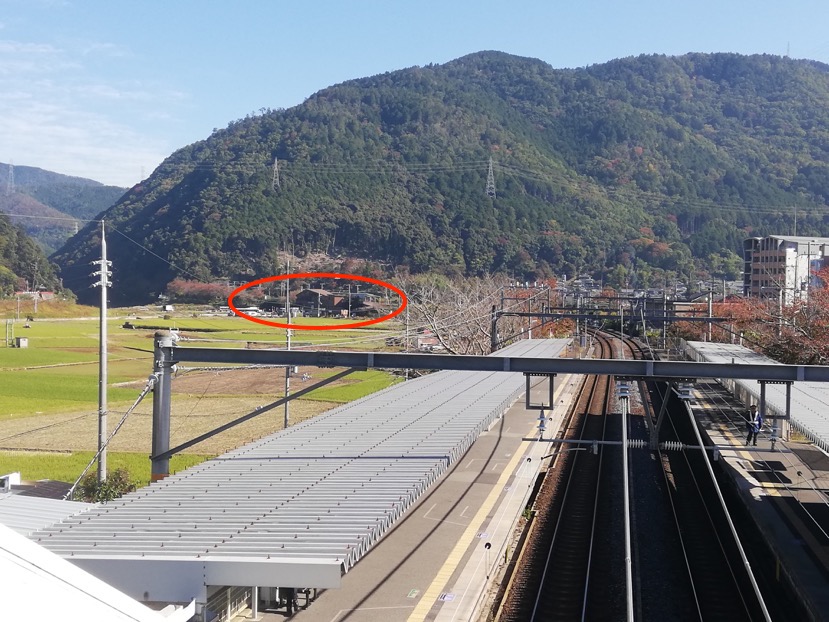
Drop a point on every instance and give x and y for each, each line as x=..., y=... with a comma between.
x=46, y=204
x=22, y=262
x=634, y=170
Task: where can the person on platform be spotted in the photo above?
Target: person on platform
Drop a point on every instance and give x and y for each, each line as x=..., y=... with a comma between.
x=754, y=425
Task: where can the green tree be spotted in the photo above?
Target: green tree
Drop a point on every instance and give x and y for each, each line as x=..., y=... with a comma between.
x=116, y=484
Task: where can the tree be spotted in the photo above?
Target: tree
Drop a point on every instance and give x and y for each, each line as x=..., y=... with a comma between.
x=802, y=336
x=459, y=312
x=796, y=334
x=116, y=484
x=725, y=264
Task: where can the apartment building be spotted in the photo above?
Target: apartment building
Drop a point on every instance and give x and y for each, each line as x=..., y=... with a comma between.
x=782, y=266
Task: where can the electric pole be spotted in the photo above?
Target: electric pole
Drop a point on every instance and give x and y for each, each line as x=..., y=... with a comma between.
x=104, y=274
x=288, y=343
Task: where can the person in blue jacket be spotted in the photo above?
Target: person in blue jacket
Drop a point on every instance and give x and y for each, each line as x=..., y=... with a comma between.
x=754, y=425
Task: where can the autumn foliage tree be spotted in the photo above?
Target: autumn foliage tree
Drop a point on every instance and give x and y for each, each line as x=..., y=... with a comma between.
x=198, y=292
x=796, y=333
x=802, y=336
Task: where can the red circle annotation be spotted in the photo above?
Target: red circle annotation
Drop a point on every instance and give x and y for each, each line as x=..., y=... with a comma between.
x=318, y=275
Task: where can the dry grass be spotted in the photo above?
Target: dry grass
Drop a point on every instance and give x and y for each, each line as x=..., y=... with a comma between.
x=201, y=402
x=191, y=417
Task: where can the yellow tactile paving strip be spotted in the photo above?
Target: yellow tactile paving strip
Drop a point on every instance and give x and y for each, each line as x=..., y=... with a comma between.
x=433, y=592
x=770, y=488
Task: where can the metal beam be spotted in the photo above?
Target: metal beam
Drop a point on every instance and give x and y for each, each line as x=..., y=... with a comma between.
x=551, y=390
x=647, y=370
x=601, y=314
x=640, y=444
x=170, y=452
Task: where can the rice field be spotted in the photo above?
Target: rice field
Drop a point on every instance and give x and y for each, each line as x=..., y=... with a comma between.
x=66, y=467
x=49, y=390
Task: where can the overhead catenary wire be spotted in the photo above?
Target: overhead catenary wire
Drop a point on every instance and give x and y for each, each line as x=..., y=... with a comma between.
x=147, y=388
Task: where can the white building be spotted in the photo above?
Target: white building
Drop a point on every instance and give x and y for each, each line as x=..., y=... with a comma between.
x=783, y=266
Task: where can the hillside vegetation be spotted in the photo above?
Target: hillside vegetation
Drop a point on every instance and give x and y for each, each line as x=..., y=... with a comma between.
x=635, y=170
x=49, y=205
x=22, y=261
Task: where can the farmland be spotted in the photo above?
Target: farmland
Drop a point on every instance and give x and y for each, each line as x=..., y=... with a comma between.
x=49, y=389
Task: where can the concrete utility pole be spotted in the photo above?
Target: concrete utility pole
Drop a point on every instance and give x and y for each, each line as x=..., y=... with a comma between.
x=104, y=274
x=406, y=371
x=288, y=345
x=710, y=311
x=162, y=392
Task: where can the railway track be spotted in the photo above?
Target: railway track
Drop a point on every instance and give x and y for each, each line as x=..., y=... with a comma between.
x=686, y=565
x=552, y=578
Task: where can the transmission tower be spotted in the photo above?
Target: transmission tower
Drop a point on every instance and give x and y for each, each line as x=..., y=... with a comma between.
x=10, y=181
x=490, y=181
x=275, y=180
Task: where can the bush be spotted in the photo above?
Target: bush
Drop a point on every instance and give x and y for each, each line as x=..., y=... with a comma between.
x=116, y=484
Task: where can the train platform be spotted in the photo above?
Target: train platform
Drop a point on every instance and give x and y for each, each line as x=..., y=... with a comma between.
x=783, y=485
x=442, y=561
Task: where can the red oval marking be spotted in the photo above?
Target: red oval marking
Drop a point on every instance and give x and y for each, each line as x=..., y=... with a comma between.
x=322, y=275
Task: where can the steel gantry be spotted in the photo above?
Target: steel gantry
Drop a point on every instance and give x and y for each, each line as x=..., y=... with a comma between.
x=168, y=355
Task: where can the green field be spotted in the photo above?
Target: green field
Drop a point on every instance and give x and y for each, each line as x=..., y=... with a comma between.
x=58, y=371
x=65, y=467
x=58, y=375
x=363, y=383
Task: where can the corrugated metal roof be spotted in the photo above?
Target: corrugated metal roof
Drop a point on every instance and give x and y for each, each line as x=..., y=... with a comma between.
x=26, y=514
x=809, y=400
x=325, y=489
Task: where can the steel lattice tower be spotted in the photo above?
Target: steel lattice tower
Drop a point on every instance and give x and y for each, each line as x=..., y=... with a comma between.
x=275, y=180
x=10, y=182
x=490, y=181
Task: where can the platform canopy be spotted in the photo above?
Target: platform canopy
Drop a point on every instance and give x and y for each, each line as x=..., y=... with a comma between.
x=297, y=508
x=809, y=400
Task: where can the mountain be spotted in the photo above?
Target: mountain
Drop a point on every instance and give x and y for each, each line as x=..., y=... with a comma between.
x=22, y=262
x=635, y=171
x=49, y=205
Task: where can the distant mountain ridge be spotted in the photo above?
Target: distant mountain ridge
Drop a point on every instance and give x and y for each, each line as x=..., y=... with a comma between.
x=635, y=171
x=49, y=205
x=23, y=264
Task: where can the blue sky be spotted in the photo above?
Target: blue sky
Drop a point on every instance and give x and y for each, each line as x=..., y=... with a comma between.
x=106, y=89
